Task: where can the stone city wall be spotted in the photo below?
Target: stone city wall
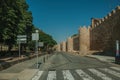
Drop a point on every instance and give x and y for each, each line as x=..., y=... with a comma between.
x=75, y=43
x=63, y=45
x=100, y=36
x=69, y=44
x=84, y=40
x=58, y=47
x=105, y=32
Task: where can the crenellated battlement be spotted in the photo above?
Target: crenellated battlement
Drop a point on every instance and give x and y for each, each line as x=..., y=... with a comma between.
x=105, y=32
x=113, y=12
x=84, y=28
x=118, y=7
x=109, y=15
x=99, y=36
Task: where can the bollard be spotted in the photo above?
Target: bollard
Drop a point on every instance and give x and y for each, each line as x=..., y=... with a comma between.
x=44, y=59
x=117, y=59
x=117, y=56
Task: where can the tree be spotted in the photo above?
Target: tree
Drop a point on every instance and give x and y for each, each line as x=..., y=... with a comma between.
x=26, y=24
x=16, y=19
x=49, y=42
x=9, y=15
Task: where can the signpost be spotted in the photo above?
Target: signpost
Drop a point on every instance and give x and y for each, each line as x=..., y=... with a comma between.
x=117, y=56
x=21, y=39
x=35, y=37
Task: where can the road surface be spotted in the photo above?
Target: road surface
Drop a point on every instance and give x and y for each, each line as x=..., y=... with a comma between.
x=63, y=66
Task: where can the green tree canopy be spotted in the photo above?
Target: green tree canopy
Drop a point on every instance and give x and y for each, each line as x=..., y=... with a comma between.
x=16, y=19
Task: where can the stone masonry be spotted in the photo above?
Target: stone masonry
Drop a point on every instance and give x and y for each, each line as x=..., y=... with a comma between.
x=84, y=40
x=69, y=44
x=105, y=32
x=75, y=43
x=99, y=36
x=58, y=47
x=63, y=45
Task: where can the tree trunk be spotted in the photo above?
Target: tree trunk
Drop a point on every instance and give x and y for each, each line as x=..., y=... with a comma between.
x=9, y=48
x=0, y=47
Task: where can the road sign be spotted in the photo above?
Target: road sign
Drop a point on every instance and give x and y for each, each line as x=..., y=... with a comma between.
x=41, y=44
x=35, y=36
x=21, y=36
x=18, y=41
x=21, y=39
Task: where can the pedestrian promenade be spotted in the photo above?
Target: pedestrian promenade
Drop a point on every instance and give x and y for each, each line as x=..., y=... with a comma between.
x=26, y=74
x=103, y=58
x=9, y=61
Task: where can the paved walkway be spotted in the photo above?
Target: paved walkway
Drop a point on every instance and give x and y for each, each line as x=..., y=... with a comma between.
x=27, y=74
x=7, y=76
x=21, y=71
x=9, y=61
x=103, y=58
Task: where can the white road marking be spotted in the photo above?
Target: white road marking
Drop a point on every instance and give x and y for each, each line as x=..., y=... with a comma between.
x=99, y=74
x=34, y=78
x=115, y=68
x=51, y=75
x=38, y=75
x=117, y=74
x=67, y=75
x=84, y=75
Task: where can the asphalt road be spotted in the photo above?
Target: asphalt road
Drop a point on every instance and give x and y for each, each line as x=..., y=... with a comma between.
x=65, y=66
x=62, y=60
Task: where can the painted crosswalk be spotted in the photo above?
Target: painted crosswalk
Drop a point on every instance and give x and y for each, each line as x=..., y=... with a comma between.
x=117, y=74
x=37, y=77
x=51, y=75
x=100, y=74
x=67, y=75
x=82, y=74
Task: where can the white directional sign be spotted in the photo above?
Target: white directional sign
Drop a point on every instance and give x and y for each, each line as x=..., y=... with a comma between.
x=21, y=39
x=35, y=36
x=41, y=44
x=21, y=36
